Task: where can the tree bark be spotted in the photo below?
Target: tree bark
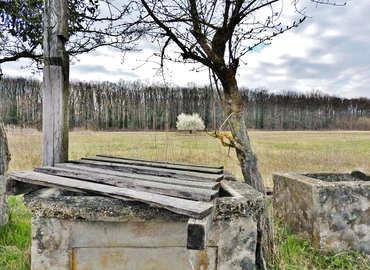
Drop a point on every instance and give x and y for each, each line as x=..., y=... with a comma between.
x=56, y=83
x=233, y=108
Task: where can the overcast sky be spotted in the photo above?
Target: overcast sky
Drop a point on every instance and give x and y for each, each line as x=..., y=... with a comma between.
x=329, y=52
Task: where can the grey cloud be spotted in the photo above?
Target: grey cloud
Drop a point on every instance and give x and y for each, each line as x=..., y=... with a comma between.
x=303, y=69
x=147, y=44
x=98, y=53
x=103, y=70
x=348, y=74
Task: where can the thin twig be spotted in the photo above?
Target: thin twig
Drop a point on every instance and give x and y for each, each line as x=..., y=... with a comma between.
x=226, y=120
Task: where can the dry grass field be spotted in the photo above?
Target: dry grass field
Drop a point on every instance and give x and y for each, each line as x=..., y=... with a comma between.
x=278, y=151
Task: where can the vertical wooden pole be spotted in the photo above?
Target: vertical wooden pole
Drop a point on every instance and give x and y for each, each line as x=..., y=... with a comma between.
x=56, y=83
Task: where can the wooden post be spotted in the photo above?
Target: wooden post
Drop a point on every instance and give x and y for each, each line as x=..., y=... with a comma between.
x=56, y=83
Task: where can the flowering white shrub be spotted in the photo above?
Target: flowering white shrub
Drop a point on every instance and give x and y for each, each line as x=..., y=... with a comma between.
x=189, y=122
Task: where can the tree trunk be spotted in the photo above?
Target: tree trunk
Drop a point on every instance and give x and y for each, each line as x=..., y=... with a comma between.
x=233, y=108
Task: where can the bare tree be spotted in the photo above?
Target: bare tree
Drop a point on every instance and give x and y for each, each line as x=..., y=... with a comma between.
x=213, y=33
x=217, y=34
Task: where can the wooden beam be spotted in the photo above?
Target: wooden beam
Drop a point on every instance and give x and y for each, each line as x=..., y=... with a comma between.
x=56, y=81
x=198, y=230
x=188, y=208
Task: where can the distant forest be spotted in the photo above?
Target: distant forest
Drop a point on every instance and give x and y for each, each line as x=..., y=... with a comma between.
x=142, y=106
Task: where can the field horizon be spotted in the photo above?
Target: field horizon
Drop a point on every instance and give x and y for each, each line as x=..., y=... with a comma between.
x=277, y=151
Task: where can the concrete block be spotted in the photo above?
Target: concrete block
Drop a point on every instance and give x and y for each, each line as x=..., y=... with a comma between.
x=3, y=203
x=333, y=209
x=92, y=232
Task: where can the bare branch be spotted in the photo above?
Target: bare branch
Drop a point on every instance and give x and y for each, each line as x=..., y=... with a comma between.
x=317, y=2
x=186, y=54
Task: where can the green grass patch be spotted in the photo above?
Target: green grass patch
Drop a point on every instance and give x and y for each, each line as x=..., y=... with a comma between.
x=294, y=252
x=15, y=237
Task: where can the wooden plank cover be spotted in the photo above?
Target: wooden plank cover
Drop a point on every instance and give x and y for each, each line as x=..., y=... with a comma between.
x=173, y=190
x=163, y=162
x=194, y=209
x=185, y=175
x=164, y=165
x=152, y=178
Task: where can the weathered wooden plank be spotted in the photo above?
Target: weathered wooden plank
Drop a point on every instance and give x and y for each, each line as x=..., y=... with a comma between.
x=198, y=231
x=189, y=208
x=150, y=171
x=162, y=162
x=148, y=163
x=363, y=174
x=166, y=180
x=56, y=80
x=141, y=185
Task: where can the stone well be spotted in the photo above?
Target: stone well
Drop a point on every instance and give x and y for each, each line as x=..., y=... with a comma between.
x=333, y=209
x=92, y=232
x=3, y=203
x=4, y=161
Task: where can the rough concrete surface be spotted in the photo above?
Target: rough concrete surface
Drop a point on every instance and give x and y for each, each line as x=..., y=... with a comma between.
x=3, y=203
x=332, y=209
x=77, y=232
x=4, y=161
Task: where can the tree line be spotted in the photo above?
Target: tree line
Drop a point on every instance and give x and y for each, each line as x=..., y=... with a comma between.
x=140, y=105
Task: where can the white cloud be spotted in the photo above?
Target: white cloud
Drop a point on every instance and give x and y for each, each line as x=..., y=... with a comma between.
x=329, y=53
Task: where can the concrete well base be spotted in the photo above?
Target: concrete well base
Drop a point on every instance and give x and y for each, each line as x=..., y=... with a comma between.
x=332, y=209
x=3, y=203
x=91, y=232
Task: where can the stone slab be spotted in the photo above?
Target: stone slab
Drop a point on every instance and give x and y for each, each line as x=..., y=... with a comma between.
x=332, y=209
